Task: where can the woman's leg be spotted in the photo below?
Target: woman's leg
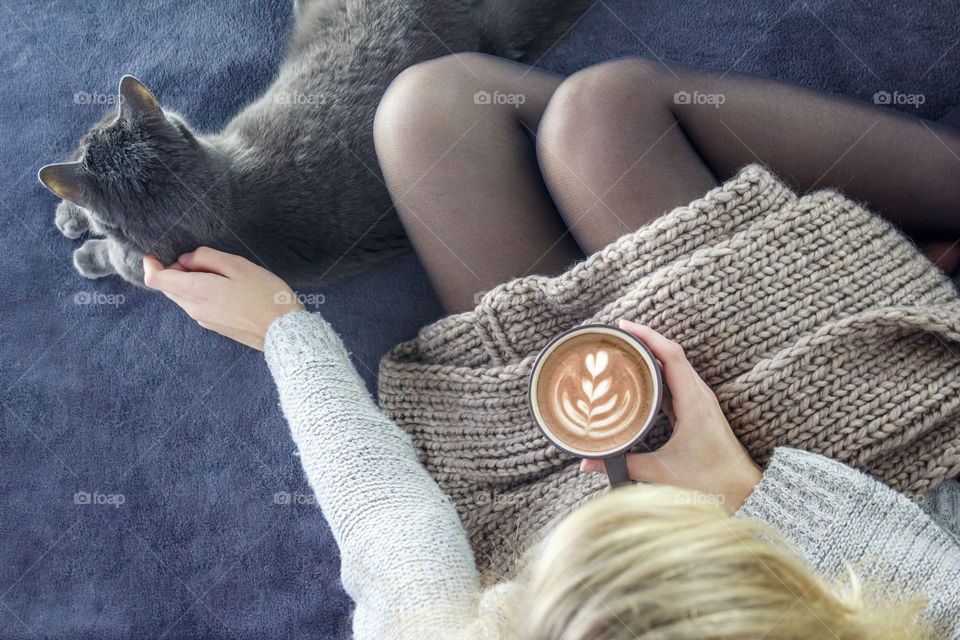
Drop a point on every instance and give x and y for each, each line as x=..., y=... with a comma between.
x=622, y=142
x=455, y=144
x=619, y=144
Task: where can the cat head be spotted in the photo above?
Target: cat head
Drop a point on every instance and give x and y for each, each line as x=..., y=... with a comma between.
x=138, y=172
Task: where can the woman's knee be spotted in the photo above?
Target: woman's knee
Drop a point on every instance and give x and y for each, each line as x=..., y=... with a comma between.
x=431, y=97
x=593, y=101
x=606, y=84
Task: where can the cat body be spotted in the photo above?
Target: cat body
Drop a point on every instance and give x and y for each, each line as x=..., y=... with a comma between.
x=292, y=182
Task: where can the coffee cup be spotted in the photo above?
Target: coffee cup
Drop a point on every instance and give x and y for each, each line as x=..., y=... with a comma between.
x=595, y=391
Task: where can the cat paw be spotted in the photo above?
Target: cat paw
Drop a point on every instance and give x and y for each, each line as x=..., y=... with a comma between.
x=92, y=260
x=70, y=220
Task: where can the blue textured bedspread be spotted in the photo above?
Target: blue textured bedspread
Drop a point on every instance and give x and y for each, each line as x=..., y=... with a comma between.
x=149, y=485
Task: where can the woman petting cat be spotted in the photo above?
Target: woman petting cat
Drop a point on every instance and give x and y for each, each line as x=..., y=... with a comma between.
x=528, y=178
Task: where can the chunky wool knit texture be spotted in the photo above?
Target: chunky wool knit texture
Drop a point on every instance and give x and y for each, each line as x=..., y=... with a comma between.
x=818, y=325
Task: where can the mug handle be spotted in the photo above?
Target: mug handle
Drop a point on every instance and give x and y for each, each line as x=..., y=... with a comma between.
x=617, y=471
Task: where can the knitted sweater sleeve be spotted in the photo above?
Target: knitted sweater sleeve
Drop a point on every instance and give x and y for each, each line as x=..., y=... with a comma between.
x=405, y=557
x=943, y=505
x=835, y=516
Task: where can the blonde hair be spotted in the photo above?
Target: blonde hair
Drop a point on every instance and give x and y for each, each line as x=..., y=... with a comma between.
x=649, y=562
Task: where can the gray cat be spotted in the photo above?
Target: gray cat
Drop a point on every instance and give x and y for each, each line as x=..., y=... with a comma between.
x=292, y=182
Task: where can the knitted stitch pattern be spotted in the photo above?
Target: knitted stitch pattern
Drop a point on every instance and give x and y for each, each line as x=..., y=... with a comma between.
x=817, y=324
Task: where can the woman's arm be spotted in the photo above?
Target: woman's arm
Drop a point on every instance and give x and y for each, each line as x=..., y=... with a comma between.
x=403, y=547
x=837, y=517
x=405, y=557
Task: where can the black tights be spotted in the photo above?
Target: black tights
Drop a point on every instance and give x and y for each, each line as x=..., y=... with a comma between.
x=499, y=170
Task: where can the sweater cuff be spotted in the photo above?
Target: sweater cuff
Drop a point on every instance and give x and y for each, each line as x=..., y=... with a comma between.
x=806, y=496
x=796, y=482
x=299, y=337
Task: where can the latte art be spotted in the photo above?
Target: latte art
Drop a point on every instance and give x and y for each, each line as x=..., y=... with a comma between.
x=594, y=391
x=588, y=404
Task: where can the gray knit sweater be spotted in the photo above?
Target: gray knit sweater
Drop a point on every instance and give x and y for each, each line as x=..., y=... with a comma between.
x=404, y=549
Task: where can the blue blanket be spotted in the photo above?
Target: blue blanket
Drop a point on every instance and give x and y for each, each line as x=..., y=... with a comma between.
x=150, y=487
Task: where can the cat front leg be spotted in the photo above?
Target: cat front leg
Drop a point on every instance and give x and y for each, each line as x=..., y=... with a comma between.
x=71, y=220
x=92, y=259
x=128, y=263
x=98, y=258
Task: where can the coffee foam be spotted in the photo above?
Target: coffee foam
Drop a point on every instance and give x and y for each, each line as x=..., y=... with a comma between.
x=594, y=392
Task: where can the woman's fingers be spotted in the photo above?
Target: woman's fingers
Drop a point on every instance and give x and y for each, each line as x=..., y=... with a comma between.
x=666, y=404
x=646, y=467
x=587, y=464
x=680, y=375
x=211, y=260
x=653, y=467
x=170, y=281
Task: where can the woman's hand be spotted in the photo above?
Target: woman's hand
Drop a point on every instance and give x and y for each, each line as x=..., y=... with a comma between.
x=223, y=292
x=703, y=453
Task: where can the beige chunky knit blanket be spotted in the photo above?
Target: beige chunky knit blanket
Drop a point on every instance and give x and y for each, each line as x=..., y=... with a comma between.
x=817, y=324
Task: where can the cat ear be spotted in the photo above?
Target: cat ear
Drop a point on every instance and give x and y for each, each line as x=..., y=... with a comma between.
x=136, y=100
x=67, y=180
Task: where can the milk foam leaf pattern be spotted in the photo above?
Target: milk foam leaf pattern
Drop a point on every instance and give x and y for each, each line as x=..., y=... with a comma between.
x=602, y=410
